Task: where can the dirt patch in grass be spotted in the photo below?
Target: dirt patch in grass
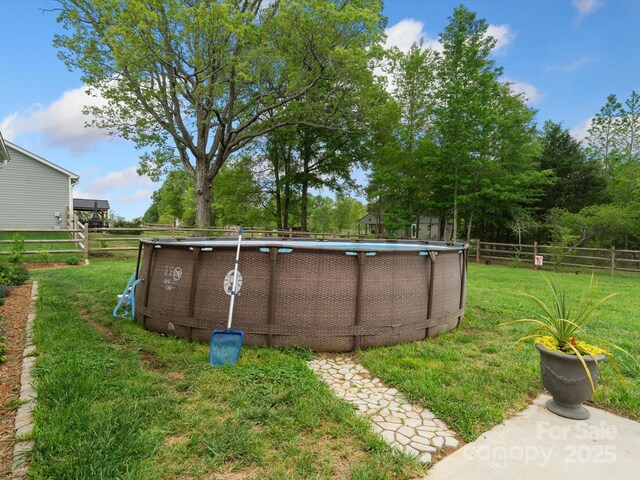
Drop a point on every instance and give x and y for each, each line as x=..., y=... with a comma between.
x=173, y=439
x=102, y=329
x=50, y=265
x=147, y=358
x=14, y=318
x=175, y=376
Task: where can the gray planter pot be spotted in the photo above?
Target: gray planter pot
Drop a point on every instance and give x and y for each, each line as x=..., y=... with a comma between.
x=566, y=380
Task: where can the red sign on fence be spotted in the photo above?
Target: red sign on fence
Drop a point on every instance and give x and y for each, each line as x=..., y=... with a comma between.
x=539, y=260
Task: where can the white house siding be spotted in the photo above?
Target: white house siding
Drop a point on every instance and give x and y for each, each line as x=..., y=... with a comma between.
x=31, y=193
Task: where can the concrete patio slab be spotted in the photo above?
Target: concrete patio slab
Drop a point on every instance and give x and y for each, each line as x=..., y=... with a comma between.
x=536, y=444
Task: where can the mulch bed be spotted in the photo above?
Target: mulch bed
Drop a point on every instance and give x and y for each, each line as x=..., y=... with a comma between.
x=14, y=318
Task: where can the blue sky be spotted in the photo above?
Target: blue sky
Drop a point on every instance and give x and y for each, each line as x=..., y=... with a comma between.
x=566, y=56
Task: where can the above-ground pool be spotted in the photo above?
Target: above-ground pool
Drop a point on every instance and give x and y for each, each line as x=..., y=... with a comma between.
x=325, y=295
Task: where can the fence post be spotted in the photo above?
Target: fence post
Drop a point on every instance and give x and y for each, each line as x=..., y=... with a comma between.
x=613, y=260
x=478, y=250
x=535, y=251
x=290, y=233
x=85, y=240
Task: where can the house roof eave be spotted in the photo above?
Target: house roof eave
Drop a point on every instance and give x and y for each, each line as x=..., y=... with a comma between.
x=74, y=177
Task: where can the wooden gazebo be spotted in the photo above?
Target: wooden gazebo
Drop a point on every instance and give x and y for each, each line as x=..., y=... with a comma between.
x=99, y=210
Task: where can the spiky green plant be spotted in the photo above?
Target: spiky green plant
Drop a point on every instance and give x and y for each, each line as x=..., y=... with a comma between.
x=559, y=328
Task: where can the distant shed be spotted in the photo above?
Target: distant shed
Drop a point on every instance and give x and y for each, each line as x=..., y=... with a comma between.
x=372, y=225
x=34, y=192
x=426, y=228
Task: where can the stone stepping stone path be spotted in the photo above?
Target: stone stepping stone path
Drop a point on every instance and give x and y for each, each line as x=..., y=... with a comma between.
x=410, y=428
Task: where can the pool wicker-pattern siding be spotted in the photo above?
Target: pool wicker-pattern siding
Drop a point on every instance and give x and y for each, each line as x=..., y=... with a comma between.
x=318, y=298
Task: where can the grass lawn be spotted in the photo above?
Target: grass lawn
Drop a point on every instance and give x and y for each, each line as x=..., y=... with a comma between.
x=116, y=401
x=119, y=402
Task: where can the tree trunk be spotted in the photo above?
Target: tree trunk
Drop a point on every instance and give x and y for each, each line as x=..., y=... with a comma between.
x=203, y=197
x=304, y=198
x=306, y=152
x=287, y=190
x=278, y=194
x=454, y=230
x=285, y=210
x=469, y=222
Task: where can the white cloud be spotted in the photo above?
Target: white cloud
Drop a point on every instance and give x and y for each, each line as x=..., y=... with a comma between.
x=573, y=66
x=142, y=194
x=586, y=7
x=580, y=130
x=407, y=32
x=126, y=179
x=530, y=91
x=61, y=123
x=503, y=35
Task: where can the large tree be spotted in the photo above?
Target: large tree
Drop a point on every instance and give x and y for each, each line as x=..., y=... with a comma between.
x=468, y=83
x=194, y=81
x=604, y=137
x=484, y=132
x=613, y=141
x=400, y=181
x=577, y=181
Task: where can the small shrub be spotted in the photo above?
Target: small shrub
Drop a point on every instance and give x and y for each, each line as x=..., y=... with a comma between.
x=4, y=274
x=135, y=224
x=4, y=291
x=19, y=275
x=15, y=275
x=516, y=263
x=45, y=257
x=16, y=248
x=73, y=261
x=1, y=301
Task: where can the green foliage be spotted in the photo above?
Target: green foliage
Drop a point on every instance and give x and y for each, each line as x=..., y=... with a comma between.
x=13, y=275
x=135, y=401
x=564, y=323
x=347, y=212
x=578, y=182
x=403, y=142
x=603, y=225
x=195, y=82
x=613, y=142
x=463, y=144
x=238, y=198
x=562, y=244
x=16, y=248
x=45, y=257
x=4, y=291
x=321, y=214
x=560, y=319
x=3, y=342
x=73, y=261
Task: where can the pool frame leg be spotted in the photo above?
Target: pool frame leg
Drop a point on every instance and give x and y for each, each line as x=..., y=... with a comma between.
x=273, y=255
x=359, y=296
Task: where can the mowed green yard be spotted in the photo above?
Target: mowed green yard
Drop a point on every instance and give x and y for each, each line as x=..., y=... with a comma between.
x=116, y=401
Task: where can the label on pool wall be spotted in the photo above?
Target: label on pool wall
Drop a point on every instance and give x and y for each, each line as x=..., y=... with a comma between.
x=228, y=282
x=172, y=276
